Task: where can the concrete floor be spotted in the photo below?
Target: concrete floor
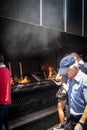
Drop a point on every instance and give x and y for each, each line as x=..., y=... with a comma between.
x=42, y=120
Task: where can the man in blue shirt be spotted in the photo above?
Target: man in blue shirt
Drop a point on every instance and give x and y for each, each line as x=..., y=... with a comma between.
x=77, y=93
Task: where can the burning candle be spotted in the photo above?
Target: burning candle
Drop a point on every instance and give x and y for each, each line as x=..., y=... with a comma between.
x=9, y=64
x=20, y=65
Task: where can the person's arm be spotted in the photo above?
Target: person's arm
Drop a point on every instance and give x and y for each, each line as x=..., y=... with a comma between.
x=64, y=85
x=57, y=80
x=82, y=121
x=64, y=82
x=61, y=81
x=57, y=83
x=84, y=116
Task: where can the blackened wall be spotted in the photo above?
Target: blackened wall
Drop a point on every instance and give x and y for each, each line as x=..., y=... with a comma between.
x=24, y=38
x=65, y=15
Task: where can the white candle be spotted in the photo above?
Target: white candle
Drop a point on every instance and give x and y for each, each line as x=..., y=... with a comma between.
x=9, y=64
x=20, y=65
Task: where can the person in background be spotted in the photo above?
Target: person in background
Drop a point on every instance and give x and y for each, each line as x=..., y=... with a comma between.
x=76, y=56
x=5, y=94
x=82, y=66
x=80, y=62
x=61, y=96
x=77, y=93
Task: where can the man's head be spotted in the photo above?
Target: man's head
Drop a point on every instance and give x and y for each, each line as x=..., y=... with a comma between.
x=68, y=66
x=1, y=58
x=76, y=55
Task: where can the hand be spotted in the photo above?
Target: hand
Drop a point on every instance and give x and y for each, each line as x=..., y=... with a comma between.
x=64, y=85
x=58, y=77
x=78, y=127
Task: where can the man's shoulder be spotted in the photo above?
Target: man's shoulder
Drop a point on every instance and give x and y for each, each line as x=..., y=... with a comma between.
x=81, y=77
x=81, y=73
x=84, y=78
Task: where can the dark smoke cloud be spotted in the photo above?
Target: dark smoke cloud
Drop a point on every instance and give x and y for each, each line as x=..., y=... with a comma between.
x=24, y=40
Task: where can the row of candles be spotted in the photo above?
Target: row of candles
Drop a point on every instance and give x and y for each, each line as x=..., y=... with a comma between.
x=20, y=66
x=50, y=69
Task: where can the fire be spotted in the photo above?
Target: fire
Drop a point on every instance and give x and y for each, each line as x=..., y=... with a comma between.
x=50, y=69
x=16, y=80
x=44, y=68
x=25, y=80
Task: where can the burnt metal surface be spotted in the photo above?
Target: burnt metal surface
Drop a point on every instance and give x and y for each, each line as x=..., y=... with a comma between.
x=31, y=97
x=32, y=86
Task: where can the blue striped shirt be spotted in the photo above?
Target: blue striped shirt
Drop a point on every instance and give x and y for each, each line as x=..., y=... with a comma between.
x=77, y=93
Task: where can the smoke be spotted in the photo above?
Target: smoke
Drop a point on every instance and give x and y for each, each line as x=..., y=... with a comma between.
x=24, y=40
